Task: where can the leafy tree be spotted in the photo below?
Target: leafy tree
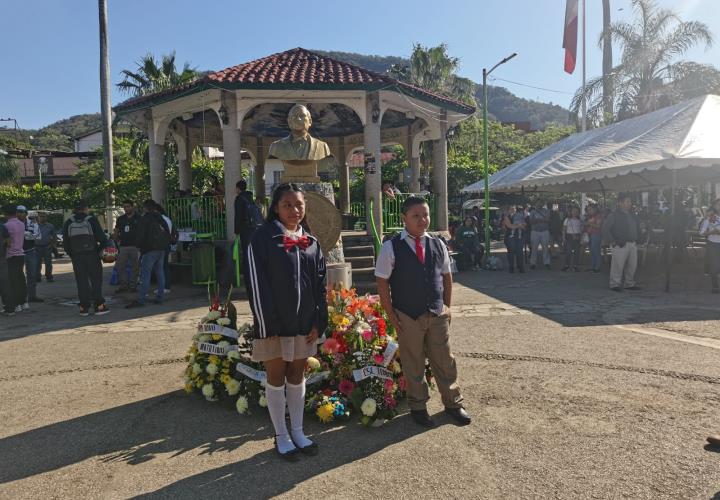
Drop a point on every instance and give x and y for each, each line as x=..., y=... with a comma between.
x=153, y=76
x=649, y=75
x=9, y=173
x=433, y=69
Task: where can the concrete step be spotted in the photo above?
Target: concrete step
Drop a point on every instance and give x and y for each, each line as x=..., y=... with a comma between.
x=357, y=240
x=363, y=273
x=358, y=251
x=361, y=261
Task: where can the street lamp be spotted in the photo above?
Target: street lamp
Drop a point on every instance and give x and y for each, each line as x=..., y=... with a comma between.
x=485, y=152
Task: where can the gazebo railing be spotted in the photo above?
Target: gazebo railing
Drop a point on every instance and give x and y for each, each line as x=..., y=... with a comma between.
x=204, y=214
x=392, y=211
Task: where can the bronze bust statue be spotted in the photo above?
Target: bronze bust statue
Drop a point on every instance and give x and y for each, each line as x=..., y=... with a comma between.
x=299, y=151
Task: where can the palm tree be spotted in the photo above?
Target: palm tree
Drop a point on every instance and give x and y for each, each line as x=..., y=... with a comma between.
x=152, y=77
x=433, y=69
x=648, y=76
x=607, y=60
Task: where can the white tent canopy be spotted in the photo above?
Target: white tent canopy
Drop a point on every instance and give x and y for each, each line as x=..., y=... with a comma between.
x=635, y=154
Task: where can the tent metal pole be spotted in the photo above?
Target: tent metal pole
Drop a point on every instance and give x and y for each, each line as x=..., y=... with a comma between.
x=669, y=235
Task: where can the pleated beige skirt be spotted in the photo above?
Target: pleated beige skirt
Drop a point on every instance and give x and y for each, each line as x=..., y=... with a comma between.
x=287, y=348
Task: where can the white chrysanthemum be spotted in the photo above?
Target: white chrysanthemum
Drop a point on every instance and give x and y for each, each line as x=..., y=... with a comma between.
x=211, y=368
x=223, y=344
x=196, y=369
x=262, y=401
x=369, y=407
x=233, y=355
x=362, y=327
x=213, y=315
x=232, y=386
x=241, y=405
x=203, y=338
x=208, y=391
x=223, y=321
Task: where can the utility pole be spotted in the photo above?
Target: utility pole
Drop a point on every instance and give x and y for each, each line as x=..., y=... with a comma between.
x=607, y=65
x=106, y=113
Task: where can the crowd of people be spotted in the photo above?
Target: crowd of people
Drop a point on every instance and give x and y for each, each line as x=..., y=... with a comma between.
x=537, y=234
x=140, y=243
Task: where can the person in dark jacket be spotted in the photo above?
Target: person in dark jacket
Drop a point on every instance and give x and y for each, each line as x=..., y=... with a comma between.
x=415, y=287
x=125, y=236
x=244, y=225
x=152, y=239
x=84, y=239
x=622, y=229
x=286, y=268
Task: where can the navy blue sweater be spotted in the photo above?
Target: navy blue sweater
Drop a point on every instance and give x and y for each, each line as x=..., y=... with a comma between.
x=287, y=287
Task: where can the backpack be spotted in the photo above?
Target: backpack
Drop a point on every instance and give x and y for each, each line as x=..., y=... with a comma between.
x=159, y=234
x=254, y=214
x=81, y=235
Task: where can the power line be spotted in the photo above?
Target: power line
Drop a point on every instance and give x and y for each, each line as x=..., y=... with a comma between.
x=532, y=86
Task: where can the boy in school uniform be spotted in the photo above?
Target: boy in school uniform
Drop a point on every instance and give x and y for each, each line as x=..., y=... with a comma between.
x=415, y=287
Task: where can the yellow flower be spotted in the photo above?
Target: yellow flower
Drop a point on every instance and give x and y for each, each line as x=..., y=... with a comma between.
x=213, y=359
x=325, y=412
x=188, y=387
x=216, y=337
x=199, y=383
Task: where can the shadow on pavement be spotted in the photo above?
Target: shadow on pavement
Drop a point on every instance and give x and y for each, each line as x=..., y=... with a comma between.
x=139, y=432
x=576, y=299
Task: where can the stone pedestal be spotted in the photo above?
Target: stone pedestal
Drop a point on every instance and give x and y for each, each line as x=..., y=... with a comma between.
x=300, y=171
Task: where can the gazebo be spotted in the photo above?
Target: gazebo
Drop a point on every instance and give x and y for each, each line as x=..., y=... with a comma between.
x=243, y=109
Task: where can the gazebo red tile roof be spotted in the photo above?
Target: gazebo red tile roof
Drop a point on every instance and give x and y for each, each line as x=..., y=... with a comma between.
x=297, y=68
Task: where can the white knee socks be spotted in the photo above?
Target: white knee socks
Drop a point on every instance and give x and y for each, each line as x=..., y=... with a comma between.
x=276, y=408
x=296, y=408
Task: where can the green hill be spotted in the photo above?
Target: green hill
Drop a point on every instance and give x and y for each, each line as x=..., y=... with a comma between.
x=502, y=104
x=57, y=136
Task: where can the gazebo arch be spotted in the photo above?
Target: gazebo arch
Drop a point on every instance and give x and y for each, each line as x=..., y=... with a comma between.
x=384, y=110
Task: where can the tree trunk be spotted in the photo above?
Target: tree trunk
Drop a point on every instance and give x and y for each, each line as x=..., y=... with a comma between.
x=607, y=65
x=106, y=112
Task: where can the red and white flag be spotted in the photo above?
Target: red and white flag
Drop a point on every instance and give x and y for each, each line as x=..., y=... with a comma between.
x=570, y=35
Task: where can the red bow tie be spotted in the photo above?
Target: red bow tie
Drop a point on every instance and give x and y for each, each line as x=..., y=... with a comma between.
x=302, y=242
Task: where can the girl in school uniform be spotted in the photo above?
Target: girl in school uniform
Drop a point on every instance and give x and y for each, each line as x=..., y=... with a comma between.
x=287, y=275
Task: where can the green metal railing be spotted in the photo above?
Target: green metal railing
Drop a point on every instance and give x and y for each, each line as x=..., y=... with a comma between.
x=204, y=214
x=392, y=211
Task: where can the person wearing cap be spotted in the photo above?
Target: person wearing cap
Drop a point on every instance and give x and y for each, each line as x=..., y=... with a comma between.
x=15, y=262
x=83, y=239
x=32, y=234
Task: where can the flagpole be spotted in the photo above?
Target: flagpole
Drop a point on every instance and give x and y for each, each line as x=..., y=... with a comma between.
x=584, y=96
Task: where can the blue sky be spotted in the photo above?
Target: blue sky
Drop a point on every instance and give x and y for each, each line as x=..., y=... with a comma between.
x=49, y=51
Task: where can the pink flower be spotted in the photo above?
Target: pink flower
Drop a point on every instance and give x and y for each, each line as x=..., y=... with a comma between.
x=390, y=402
x=378, y=359
x=402, y=383
x=346, y=387
x=389, y=385
x=330, y=346
x=367, y=335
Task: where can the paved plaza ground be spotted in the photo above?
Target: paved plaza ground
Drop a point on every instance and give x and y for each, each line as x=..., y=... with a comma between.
x=576, y=392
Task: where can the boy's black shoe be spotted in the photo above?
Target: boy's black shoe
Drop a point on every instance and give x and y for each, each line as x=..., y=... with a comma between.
x=422, y=417
x=49, y=279
x=84, y=311
x=459, y=415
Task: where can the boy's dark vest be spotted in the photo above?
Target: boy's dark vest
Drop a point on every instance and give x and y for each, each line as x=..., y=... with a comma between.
x=417, y=288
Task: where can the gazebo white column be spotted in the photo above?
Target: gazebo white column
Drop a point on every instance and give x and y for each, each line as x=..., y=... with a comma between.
x=440, y=175
x=373, y=182
x=156, y=150
x=232, y=157
x=260, y=154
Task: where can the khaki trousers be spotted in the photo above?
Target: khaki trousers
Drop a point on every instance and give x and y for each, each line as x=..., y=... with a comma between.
x=623, y=264
x=428, y=336
x=132, y=255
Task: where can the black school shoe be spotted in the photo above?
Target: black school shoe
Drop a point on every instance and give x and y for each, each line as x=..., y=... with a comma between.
x=422, y=417
x=310, y=450
x=459, y=415
x=291, y=456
